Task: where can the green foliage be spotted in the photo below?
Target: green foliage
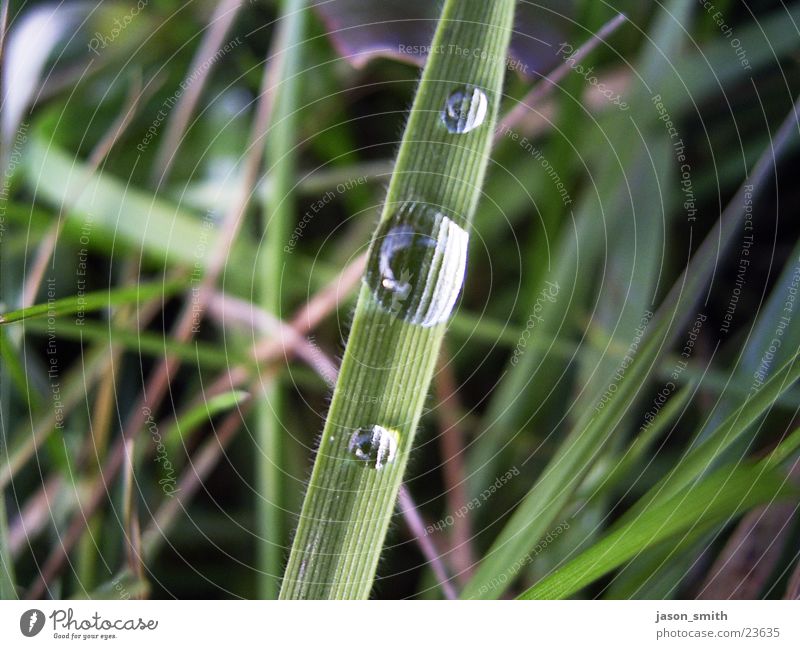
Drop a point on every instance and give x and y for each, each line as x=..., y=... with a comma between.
x=624, y=341
x=341, y=531
x=719, y=497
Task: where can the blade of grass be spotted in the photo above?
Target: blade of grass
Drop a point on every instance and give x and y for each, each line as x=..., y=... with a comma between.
x=578, y=252
x=96, y=445
x=130, y=516
x=750, y=361
x=142, y=343
x=202, y=64
x=635, y=453
x=164, y=232
x=16, y=372
x=213, y=194
x=23, y=443
x=202, y=463
x=784, y=451
x=348, y=506
x=199, y=466
x=334, y=295
x=281, y=166
x=659, y=573
x=328, y=371
x=562, y=476
x=96, y=300
x=308, y=317
x=701, y=458
x=733, y=389
x=614, y=549
x=129, y=218
x=661, y=567
x=8, y=590
x=769, y=39
x=47, y=246
x=721, y=496
x=187, y=323
x=200, y=414
x=743, y=567
x=519, y=392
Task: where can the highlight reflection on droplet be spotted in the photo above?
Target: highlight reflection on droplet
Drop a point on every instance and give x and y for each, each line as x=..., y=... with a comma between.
x=465, y=109
x=417, y=264
x=375, y=446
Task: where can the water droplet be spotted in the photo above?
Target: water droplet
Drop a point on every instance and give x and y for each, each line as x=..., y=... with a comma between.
x=465, y=109
x=375, y=446
x=417, y=265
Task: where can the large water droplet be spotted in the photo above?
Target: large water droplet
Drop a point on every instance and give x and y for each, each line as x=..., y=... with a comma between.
x=417, y=264
x=375, y=446
x=465, y=109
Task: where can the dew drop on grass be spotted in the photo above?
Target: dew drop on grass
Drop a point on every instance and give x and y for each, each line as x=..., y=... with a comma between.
x=417, y=264
x=375, y=446
x=465, y=109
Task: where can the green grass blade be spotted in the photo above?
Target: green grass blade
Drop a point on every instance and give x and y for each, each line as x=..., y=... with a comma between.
x=722, y=496
x=702, y=457
x=16, y=371
x=700, y=460
x=769, y=38
x=660, y=573
x=202, y=354
x=578, y=253
x=554, y=488
x=665, y=570
x=198, y=415
x=279, y=209
x=564, y=473
x=164, y=232
x=96, y=300
x=7, y=588
x=640, y=446
x=756, y=356
x=22, y=445
x=785, y=451
x=391, y=353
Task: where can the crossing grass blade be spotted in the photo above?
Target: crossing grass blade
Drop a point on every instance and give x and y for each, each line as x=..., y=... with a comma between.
x=281, y=154
x=95, y=301
x=702, y=457
x=549, y=495
x=142, y=342
x=578, y=253
x=721, y=496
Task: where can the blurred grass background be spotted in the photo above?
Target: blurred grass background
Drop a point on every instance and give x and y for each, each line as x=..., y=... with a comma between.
x=114, y=180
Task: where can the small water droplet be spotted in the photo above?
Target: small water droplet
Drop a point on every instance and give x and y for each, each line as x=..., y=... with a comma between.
x=375, y=446
x=465, y=109
x=417, y=265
